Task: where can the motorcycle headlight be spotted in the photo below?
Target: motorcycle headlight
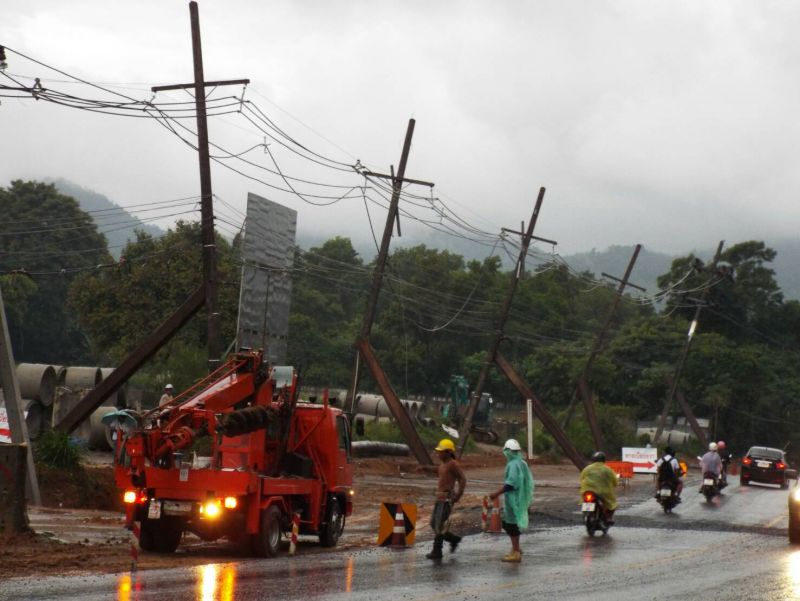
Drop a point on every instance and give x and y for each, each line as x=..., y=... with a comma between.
x=796, y=494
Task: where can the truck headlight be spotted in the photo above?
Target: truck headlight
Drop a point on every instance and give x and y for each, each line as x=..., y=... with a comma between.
x=211, y=509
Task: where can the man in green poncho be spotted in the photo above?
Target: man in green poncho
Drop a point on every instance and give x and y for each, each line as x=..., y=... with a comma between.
x=517, y=494
x=601, y=480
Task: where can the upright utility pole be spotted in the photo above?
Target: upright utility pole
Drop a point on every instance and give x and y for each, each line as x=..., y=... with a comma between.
x=363, y=346
x=206, y=294
x=679, y=367
x=499, y=326
x=14, y=411
x=582, y=387
x=206, y=198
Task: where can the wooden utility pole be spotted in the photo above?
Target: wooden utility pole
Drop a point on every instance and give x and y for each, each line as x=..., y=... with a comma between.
x=488, y=361
x=207, y=293
x=582, y=388
x=14, y=410
x=363, y=346
x=679, y=367
x=206, y=198
x=539, y=409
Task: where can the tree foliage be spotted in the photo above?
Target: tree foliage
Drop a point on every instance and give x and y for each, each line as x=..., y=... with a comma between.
x=46, y=241
x=435, y=318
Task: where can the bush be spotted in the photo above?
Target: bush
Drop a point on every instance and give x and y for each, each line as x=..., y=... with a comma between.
x=58, y=450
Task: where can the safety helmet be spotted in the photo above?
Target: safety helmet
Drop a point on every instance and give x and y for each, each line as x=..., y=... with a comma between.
x=445, y=444
x=512, y=445
x=168, y=387
x=599, y=456
x=712, y=446
x=721, y=445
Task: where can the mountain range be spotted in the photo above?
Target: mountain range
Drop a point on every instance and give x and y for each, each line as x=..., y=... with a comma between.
x=613, y=260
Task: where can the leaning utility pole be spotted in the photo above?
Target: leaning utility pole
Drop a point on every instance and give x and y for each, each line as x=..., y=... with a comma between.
x=679, y=367
x=494, y=357
x=206, y=294
x=363, y=346
x=14, y=411
x=206, y=198
x=582, y=388
x=488, y=361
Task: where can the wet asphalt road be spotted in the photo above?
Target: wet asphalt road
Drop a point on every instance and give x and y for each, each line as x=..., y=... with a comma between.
x=733, y=549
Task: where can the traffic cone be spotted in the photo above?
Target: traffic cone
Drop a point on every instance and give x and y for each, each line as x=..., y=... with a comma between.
x=295, y=531
x=399, y=530
x=495, y=523
x=485, y=514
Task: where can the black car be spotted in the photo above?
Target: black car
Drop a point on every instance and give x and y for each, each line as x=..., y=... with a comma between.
x=763, y=464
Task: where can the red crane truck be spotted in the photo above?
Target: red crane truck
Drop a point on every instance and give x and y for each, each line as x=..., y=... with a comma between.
x=270, y=457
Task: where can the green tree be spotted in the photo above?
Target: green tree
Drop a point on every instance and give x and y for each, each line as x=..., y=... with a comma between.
x=47, y=235
x=119, y=307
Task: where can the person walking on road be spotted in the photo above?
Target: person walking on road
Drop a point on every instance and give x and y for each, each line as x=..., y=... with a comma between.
x=449, y=490
x=517, y=491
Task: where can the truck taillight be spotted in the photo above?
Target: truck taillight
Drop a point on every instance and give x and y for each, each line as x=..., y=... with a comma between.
x=230, y=502
x=130, y=496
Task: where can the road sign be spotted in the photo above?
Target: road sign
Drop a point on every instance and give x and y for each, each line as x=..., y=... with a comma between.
x=643, y=459
x=388, y=513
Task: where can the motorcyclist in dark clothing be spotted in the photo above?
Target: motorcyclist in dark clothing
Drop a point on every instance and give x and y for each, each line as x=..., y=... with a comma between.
x=669, y=472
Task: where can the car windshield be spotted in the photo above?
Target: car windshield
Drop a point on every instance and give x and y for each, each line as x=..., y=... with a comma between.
x=763, y=453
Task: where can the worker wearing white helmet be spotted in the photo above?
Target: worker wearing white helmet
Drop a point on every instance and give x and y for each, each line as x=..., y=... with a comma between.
x=517, y=494
x=169, y=394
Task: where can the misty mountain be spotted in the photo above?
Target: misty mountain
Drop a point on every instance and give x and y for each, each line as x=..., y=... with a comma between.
x=613, y=260
x=117, y=224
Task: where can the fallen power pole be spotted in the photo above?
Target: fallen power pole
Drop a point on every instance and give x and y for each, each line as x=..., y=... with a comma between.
x=14, y=410
x=149, y=347
x=668, y=402
x=582, y=387
x=207, y=293
x=493, y=356
x=363, y=346
x=538, y=408
x=499, y=329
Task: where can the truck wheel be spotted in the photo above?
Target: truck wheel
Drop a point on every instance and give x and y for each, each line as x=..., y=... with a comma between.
x=268, y=540
x=160, y=536
x=333, y=527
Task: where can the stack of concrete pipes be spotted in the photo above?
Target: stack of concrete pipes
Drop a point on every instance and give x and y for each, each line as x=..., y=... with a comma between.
x=373, y=406
x=49, y=392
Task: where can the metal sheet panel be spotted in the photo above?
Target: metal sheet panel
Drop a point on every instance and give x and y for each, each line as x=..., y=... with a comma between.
x=267, y=255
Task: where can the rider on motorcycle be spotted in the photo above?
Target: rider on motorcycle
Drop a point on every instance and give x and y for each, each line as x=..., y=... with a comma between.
x=601, y=480
x=711, y=462
x=725, y=457
x=669, y=473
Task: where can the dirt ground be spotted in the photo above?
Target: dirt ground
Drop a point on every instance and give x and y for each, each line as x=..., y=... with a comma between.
x=70, y=534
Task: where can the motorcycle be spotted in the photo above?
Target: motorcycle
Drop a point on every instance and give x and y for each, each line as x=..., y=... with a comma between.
x=667, y=497
x=594, y=513
x=710, y=487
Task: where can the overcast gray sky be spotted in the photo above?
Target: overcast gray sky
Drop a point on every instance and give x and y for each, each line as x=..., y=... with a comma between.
x=670, y=123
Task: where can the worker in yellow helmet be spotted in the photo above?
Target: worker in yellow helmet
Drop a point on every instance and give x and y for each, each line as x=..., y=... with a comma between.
x=449, y=490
